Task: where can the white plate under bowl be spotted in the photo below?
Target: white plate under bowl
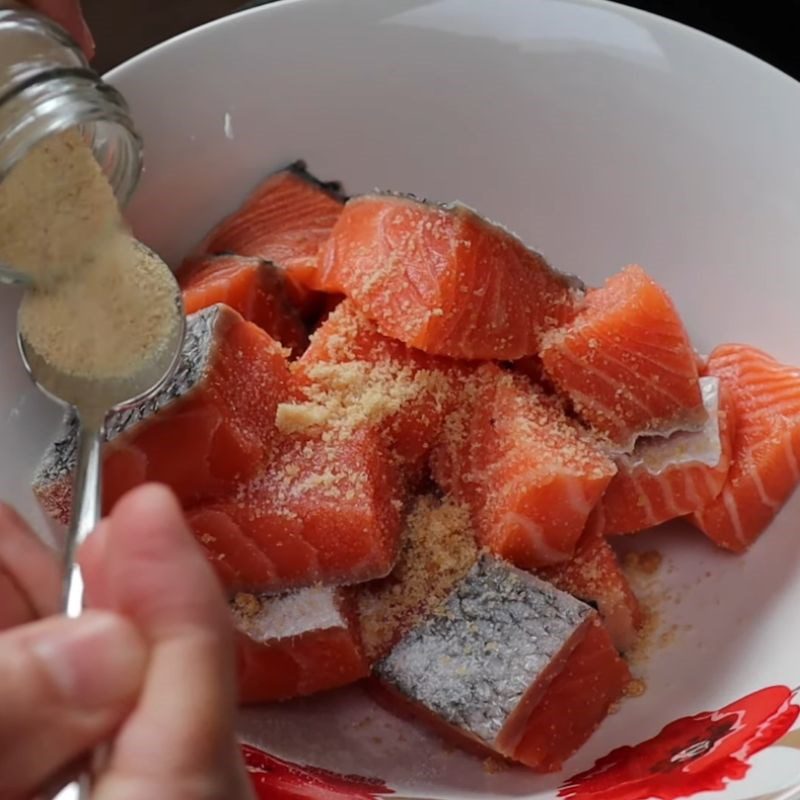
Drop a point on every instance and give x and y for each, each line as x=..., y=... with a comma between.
x=602, y=136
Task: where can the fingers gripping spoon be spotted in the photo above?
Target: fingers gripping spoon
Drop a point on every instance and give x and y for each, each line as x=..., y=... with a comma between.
x=92, y=400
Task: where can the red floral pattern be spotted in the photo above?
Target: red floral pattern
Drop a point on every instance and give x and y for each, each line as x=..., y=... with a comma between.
x=275, y=779
x=695, y=754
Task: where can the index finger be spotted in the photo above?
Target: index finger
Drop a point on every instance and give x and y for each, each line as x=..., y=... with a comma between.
x=30, y=573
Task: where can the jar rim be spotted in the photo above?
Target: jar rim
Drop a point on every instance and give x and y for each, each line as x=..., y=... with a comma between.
x=62, y=99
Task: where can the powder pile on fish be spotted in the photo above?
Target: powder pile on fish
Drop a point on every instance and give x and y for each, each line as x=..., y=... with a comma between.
x=406, y=442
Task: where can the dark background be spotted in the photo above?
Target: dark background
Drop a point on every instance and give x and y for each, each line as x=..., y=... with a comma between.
x=125, y=27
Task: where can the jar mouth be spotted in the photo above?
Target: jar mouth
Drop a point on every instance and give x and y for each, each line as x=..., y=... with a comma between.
x=60, y=99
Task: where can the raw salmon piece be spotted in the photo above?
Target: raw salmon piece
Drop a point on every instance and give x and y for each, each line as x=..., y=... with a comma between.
x=766, y=445
x=235, y=557
x=211, y=426
x=285, y=220
x=438, y=549
x=245, y=560
x=594, y=575
x=443, y=279
x=577, y=701
x=530, y=476
x=296, y=644
x=575, y=704
x=319, y=512
x=626, y=362
x=666, y=478
x=485, y=660
x=251, y=286
x=353, y=377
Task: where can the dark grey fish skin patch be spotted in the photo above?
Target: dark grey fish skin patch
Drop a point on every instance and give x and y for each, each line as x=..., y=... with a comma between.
x=473, y=662
x=58, y=461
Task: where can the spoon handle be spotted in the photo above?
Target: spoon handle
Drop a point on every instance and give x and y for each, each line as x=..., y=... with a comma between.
x=86, y=512
x=12, y=277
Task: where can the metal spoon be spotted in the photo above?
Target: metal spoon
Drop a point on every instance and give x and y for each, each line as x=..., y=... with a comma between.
x=92, y=400
x=13, y=278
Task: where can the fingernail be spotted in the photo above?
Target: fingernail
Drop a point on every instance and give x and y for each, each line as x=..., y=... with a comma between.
x=94, y=661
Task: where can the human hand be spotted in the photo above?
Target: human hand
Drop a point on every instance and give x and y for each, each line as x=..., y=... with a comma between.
x=68, y=14
x=149, y=669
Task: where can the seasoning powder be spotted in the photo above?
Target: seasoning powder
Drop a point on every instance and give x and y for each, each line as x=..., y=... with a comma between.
x=102, y=305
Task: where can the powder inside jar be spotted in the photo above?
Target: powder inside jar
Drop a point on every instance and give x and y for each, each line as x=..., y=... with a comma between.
x=56, y=207
x=102, y=306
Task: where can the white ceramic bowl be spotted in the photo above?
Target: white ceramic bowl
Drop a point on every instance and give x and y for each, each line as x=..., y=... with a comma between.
x=602, y=136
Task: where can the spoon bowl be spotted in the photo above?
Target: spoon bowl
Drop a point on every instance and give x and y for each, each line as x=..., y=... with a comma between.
x=92, y=398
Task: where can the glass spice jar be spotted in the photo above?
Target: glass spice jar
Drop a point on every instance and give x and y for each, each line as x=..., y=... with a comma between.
x=47, y=87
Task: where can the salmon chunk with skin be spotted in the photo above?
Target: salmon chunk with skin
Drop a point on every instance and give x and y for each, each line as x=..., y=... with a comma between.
x=529, y=474
x=285, y=220
x=319, y=512
x=482, y=667
x=255, y=288
x=626, y=363
x=669, y=477
x=444, y=280
x=211, y=426
x=764, y=468
x=295, y=644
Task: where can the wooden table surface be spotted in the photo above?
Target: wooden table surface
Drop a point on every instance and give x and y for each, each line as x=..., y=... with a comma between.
x=123, y=28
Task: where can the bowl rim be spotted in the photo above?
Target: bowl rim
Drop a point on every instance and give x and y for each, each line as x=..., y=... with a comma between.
x=634, y=14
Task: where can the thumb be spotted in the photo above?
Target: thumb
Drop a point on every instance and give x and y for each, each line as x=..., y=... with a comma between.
x=65, y=686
